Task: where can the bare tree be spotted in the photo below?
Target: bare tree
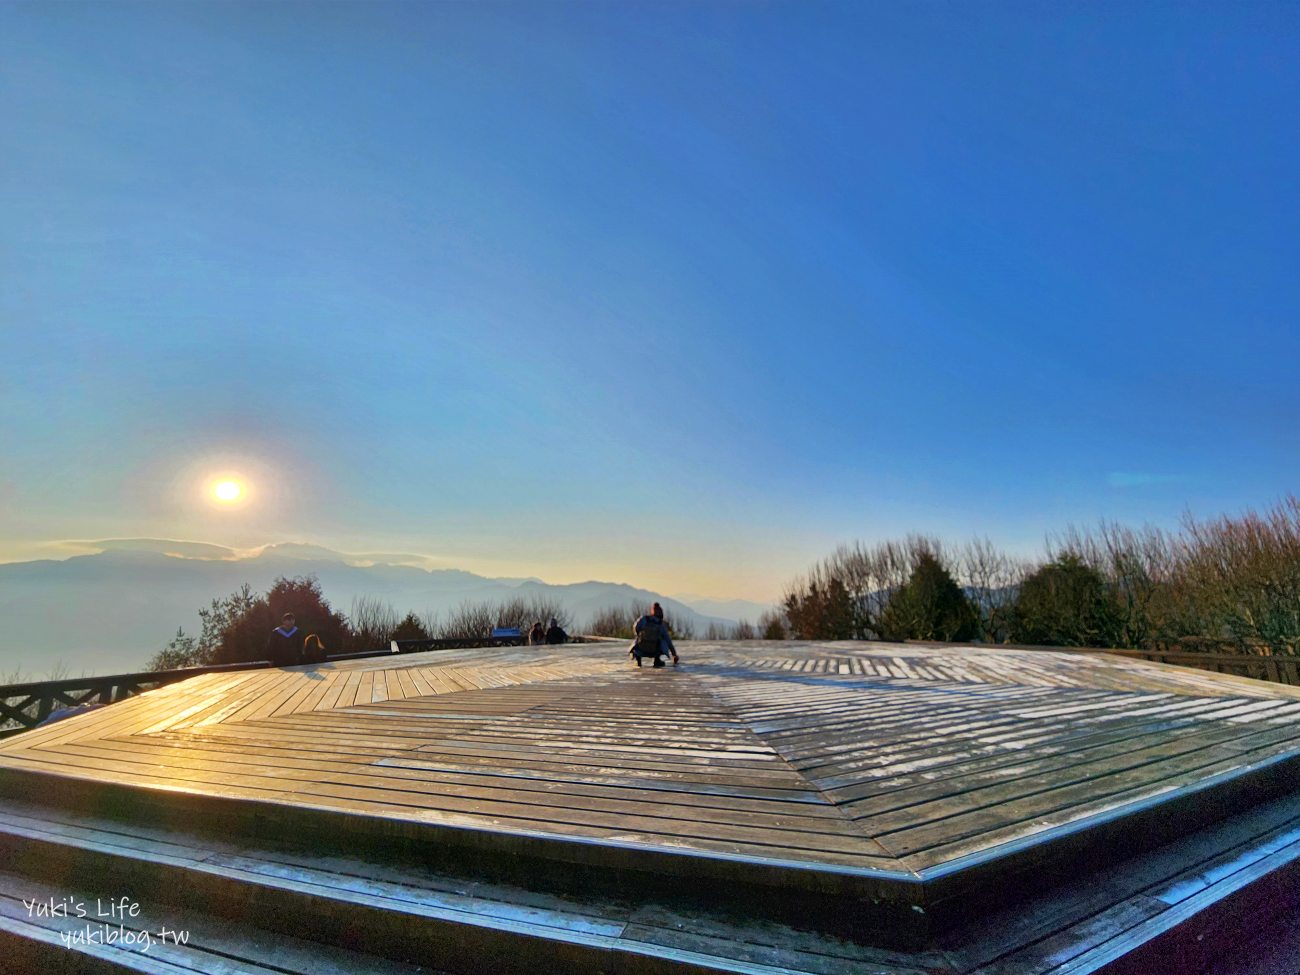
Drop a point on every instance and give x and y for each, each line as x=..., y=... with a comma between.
x=845, y=594
x=1136, y=564
x=615, y=622
x=470, y=621
x=619, y=623
x=992, y=580
x=512, y=612
x=371, y=623
x=680, y=627
x=546, y=608
x=1240, y=577
x=430, y=621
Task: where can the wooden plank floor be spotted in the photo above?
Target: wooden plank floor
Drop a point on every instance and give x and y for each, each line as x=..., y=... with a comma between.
x=851, y=757
x=1125, y=913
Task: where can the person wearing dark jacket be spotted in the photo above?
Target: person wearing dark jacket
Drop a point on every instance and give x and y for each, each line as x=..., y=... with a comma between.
x=652, y=638
x=284, y=645
x=555, y=634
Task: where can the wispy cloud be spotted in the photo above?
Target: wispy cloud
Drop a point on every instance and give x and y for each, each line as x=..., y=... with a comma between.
x=1131, y=479
x=162, y=546
x=207, y=551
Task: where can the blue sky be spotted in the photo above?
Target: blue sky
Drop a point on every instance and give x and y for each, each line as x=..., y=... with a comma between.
x=677, y=294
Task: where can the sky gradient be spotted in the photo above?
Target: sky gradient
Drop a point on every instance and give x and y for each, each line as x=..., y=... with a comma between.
x=677, y=295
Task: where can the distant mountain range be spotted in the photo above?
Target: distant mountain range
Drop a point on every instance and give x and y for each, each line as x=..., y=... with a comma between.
x=727, y=609
x=109, y=612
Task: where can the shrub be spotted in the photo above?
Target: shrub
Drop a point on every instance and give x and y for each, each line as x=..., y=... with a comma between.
x=1065, y=604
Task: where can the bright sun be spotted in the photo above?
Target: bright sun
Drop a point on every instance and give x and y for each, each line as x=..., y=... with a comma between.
x=228, y=491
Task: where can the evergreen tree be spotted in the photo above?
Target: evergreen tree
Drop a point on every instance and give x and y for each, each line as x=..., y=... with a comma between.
x=410, y=629
x=220, y=617
x=929, y=606
x=806, y=611
x=183, y=651
x=772, y=625
x=245, y=636
x=837, y=613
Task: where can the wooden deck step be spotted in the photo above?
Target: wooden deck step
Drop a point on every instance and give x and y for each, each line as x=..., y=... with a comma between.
x=157, y=941
x=257, y=909
x=238, y=901
x=1174, y=909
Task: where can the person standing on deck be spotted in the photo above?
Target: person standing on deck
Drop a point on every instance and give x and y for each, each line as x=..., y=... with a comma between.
x=652, y=638
x=284, y=645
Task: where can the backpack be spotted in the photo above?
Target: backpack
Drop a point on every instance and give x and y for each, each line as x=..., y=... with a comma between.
x=649, y=639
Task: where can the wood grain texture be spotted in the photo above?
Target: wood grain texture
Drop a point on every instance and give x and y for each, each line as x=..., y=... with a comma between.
x=875, y=757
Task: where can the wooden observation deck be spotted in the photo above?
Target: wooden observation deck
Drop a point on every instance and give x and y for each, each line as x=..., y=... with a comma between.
x=835, y=807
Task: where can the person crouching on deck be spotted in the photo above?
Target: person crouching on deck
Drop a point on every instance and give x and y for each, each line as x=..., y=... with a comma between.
x=284, y=645
x=652, y=638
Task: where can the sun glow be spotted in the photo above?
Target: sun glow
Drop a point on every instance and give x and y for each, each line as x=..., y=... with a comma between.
x=228, y=492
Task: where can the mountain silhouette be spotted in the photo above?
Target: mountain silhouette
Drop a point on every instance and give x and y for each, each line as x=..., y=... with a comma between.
x=110, y=611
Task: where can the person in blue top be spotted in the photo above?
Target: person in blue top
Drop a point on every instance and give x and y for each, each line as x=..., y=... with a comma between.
x=652, y=638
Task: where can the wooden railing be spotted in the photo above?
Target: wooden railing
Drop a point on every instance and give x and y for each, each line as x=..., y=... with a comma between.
x=1252, y=660
x=24, y=706
x=1262, y=666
